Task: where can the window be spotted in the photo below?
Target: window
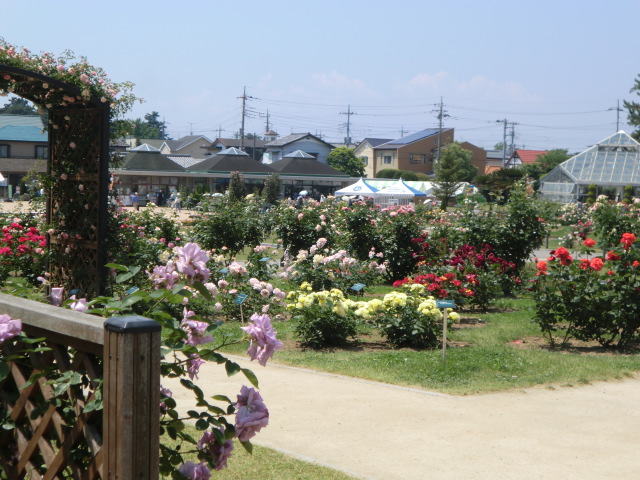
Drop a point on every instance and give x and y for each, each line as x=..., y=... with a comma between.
x=5, y=151
x=386, y=160
x=417, y=158
x=42, y=151
x=365, y=160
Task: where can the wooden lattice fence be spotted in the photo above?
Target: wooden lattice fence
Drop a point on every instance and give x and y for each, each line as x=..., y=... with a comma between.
x=53, y=396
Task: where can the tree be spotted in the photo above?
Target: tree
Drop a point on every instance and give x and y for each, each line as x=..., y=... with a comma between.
x=271, y=191
x=150, y=127
x=634, y=110
x=345, y=160
x=237, y=190
x=497, y=185
x=18, y=106
x=453, y=168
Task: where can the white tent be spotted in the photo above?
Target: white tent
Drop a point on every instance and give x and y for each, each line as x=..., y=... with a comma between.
x=398, y=193
x=361, y=187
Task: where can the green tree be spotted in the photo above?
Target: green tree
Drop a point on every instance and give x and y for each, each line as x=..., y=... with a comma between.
x=149, y=127
x=272, y=189
x=633, y=108
x=452, y=169
x=343, y=159
x=497, y=185
x=18, y=106
x=237, y=190
x=545, y=163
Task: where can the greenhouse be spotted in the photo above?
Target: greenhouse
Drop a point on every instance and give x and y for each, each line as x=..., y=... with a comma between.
x=610, y=164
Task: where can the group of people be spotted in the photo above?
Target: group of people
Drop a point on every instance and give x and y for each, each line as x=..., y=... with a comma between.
x=174, y=200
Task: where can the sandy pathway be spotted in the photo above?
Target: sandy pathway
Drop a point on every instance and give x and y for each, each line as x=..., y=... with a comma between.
x=377, y=431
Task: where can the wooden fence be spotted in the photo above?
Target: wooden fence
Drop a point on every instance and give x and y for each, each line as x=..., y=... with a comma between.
x=51, y=396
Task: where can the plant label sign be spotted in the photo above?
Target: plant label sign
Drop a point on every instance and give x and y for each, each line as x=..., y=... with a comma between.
x=240, y=298
x=445, y=304
x=358, y=286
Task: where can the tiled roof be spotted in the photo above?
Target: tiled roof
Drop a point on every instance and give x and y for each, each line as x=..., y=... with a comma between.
x=185, y=161
x=12, y=133
x=282, y=141
x=414, y=137
x=150, y=161
x=236, y=142
x=21, y=120
x=528, y=156
x=230, y=162
x=304, y=166
x=374, y=142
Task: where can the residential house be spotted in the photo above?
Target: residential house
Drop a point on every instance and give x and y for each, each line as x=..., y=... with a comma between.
x=314, y=146
x=23, y=149
x=478, y=156
x=523, y=157
x=494, y=161
x=415, y=152
x=254, y=147
x=364, y=151
x=194, y=145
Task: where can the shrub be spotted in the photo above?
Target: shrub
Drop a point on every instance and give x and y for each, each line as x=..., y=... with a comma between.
x=593, y=299
x=322, y=319
x=232, y=225
x=407, y=318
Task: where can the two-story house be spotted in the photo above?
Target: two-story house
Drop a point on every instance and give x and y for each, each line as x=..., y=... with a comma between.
x=415, y=152
x=283, y=146
x=364, y=151
x=23, y=149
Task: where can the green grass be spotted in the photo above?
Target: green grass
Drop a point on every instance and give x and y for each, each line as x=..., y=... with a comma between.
x=266, y=463
x=483, y=357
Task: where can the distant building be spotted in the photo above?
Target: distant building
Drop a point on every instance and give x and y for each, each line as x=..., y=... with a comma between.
x=415, y=152
x=24, y=148
x=364, y=151
x=314, y=146
x=610, y=164
x=521, y=157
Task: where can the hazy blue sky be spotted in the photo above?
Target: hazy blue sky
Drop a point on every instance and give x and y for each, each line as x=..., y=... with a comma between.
x=556, y=68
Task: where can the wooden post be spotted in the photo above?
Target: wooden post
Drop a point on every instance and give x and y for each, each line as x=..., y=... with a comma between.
x=131, y=398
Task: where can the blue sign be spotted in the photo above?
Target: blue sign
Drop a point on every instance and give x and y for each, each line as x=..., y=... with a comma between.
x=445, y=304
x=265, y=259
x=132, y=290
x=240, y=298
x=224, y=270
x=358, y=286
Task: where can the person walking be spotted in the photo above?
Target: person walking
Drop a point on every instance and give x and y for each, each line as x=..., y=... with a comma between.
x=135, y=201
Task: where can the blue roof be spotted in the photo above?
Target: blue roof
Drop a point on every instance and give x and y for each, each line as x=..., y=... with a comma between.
x=414, y=137
x=22, y=134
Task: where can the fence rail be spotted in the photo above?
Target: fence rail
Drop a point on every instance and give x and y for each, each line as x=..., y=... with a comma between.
x=51, y=396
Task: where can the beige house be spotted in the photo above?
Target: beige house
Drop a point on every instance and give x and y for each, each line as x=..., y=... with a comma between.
x=364, y=151
x=23, y=149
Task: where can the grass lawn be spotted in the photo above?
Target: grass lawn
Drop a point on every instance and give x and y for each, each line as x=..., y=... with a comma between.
x=488, y=352
x=265, y=463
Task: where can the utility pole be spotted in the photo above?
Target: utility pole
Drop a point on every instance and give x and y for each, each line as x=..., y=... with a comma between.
x=618, y=110
x=441, y=114
x=348, y=113
x=402, y=131
x=512, y=147
x=244, y=114
x=504, y=142
x=266, y=130
x=190, y=128
x=219, y=131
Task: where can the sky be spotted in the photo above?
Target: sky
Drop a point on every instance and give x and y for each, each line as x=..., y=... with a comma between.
x=553, y=71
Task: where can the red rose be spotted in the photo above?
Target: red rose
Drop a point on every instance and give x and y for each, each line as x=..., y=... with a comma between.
x=627, y=240
x=589, y=243
x=597, y=264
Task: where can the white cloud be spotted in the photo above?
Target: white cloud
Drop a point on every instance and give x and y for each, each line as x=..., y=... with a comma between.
x=477, y=87
x=337, y=81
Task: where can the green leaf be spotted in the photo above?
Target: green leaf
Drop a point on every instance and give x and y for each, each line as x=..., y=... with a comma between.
x=232, y=368
x=247, y=446
x=222, y=398
x=123, y=277
x=4, y=370
x=251, y=377
x=115, y=266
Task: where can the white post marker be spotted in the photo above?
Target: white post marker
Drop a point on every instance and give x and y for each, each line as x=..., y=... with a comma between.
x=444, y=304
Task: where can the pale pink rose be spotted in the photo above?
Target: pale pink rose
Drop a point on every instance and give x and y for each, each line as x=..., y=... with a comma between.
x=195, y=471
x=220, y=453
x=9, y=327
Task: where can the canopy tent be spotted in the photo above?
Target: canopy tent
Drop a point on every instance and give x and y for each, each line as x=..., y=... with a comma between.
x=380, y=183
x=361, y=187
x=398, y=193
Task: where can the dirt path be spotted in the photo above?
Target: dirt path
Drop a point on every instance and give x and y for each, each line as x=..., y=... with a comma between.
x=377, y=431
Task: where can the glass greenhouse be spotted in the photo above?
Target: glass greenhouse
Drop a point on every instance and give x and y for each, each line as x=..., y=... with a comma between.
x=610, y=164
